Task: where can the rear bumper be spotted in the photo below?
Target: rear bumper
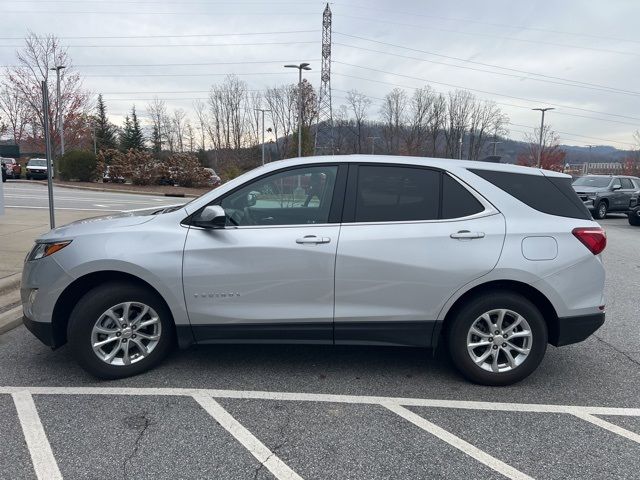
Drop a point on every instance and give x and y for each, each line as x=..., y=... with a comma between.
x=43, y=331
x=568, y=330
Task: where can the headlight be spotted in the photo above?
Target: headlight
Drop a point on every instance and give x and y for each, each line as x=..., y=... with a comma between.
x=592, y=197
x=41, y=250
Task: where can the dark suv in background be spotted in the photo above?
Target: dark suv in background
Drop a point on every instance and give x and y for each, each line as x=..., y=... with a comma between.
x=602, y=194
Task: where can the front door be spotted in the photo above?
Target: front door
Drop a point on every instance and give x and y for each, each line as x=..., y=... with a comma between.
x=269, y=275
x=404, y=249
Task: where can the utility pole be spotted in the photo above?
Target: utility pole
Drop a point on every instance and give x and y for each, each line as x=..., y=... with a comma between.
x=495, y=149
x=47, y=142
x=60, y=118
x=262, y=110
x=95, y=140
x=373, y=143
x=541, y=131
x=589, y=159
x=302, y=66
x=324, y=123
x=460, y=146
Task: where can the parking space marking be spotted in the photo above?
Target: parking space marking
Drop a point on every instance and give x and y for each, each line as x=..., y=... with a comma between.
x=331, y=398
x=44, y=463
x=259, y=450
x=456, y=442
x=609, y=426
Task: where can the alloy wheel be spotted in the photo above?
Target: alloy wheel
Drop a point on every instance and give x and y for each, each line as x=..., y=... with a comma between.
x=499, y=340
x=126, y=333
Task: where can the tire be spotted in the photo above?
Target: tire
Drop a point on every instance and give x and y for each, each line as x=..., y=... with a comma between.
x=459, y=335
x=91, y=309
x=601, y=210
x=634, y=218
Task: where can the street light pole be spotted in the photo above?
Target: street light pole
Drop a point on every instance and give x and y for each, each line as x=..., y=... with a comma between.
x=541, y=131
x=302, y=66
x=262, y=110
x=57, y=69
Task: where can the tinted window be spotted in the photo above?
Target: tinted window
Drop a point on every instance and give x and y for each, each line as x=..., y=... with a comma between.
x=457, y=201
x=292, y=197
x=552, y=195
x=626, y=183
x=387, y=194
x=598, y=182
x=616, y=183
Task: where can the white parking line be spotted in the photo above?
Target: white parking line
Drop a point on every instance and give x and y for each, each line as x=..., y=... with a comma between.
x=474, y=452
x=44, y=463
x=265, y=456
x=634, y=437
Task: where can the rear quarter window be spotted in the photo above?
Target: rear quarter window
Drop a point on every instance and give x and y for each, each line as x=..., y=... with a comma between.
x=552, y=195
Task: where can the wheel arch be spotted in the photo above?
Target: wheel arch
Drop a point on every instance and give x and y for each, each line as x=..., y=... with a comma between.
x=536, y=297
x=81, y=285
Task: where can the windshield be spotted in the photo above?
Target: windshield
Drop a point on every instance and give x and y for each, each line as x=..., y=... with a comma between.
x=598, y=182
x=38, y=162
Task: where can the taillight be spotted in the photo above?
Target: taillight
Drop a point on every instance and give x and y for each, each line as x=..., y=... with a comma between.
x=593, y=238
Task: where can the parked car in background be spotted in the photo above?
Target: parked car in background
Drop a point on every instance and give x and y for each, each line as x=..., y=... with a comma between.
x=106, y=177
x=492, y=261
x=214, y=179
x=602, y=194
x=37, y=168
x=13, y=168
x=634, y=210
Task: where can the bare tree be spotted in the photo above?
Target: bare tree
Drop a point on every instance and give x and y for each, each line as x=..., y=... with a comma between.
x=15, y=110
x=35, y=61
x=419, y=115
x=436, y=123
x=157, y=113
x=359, y=105
x=485, y=119
x=201, y=114
x=393, y=112
x=281, y=101
x=459, y=107
x=227, y=113
x=178, y=125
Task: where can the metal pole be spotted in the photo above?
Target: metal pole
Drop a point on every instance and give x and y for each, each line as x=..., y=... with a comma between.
x=262, y=137
x=540, y=142
x=460, y=147
x=95, y=141
x=300, y=112
x=60, y=118
x=47, y=141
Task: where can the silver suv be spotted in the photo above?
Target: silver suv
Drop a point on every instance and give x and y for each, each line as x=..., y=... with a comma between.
x=493, y=261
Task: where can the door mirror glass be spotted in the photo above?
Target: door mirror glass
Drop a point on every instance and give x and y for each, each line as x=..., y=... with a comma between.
x=615, y=187
x=211, y=216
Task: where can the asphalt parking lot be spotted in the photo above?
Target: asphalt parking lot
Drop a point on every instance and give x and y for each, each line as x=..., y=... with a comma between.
x=261, y=411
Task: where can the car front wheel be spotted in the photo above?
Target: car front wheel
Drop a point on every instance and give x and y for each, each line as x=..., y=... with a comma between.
x=601, y=210
x=118, y=330
x=497, y=339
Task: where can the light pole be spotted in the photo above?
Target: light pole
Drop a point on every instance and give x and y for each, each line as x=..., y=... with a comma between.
x=460, y=147
x=60, y=120
x=302, y=66
x=373, y=143
x=262, y=110
x=495, y=147
x=541, y=131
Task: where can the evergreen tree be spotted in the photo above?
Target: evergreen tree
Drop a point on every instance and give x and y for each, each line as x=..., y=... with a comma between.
x=156, y=140
x=105, y=131
x=131, y=136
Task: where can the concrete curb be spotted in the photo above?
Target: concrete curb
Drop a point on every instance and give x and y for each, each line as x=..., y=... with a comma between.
x=10, y=319
x=111, y=190
x=10, y=283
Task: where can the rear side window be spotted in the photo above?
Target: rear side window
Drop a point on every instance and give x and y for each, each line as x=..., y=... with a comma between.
x=552, y=195
x=626, y=183
x=457, y=201
x=388, y=194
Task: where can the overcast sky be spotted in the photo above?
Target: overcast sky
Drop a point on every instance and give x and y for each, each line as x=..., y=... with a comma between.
x=594, y=42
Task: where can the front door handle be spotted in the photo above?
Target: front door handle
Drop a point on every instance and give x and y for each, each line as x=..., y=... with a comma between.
x=312, y=240
x=467, y=235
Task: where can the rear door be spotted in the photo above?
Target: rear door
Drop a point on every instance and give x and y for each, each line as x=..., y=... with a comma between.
x=410, y=238
x=627, y=191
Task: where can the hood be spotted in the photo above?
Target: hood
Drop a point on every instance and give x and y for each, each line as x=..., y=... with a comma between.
x=103, y=223
x=589, y=189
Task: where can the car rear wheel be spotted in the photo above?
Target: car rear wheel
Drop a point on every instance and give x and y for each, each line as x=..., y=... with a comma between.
x=634, y=217
x=497, y=339
x=118, y=330
x=601, y=210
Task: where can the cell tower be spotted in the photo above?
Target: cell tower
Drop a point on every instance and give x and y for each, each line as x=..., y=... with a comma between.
x=324, y=125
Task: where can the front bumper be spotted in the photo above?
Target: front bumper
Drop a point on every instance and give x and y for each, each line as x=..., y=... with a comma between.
x=568, y=330
x=42, y=330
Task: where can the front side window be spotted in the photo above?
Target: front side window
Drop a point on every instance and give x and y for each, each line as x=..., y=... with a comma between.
x=293, y=197
x=388, y=194
x=616, y=183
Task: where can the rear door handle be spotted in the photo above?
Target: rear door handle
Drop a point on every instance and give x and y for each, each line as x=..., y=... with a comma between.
x=467, y=235
x=312, y=240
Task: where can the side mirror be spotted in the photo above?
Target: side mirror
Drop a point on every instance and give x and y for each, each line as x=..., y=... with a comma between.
x=616, y=187
x=252, y=198
x=211, y=216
